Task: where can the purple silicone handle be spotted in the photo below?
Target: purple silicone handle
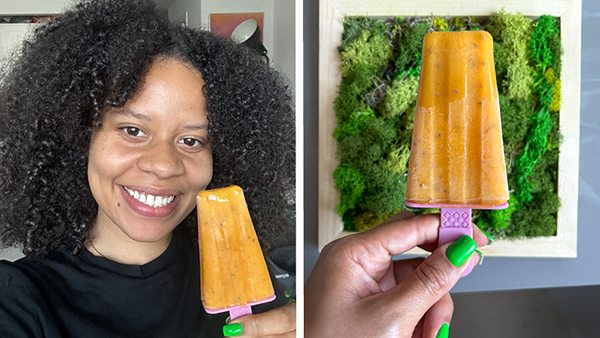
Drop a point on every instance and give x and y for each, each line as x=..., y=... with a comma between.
x=239, y=312
x=455, y=223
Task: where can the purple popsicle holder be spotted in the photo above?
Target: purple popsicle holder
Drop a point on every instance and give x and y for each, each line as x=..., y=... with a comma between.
x=455, y=221
x=239, y=311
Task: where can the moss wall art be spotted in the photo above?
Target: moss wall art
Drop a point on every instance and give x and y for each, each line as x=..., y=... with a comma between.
x=375, y=111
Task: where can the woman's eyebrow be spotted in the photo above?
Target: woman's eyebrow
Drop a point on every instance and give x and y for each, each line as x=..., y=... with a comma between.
x=129, y=112
x=197, y=126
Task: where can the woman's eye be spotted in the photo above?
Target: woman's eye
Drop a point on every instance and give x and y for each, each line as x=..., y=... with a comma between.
x=190, y=142
x=133, y=131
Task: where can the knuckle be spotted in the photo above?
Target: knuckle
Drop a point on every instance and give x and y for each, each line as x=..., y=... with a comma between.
x=286, y=319
x=433, y=278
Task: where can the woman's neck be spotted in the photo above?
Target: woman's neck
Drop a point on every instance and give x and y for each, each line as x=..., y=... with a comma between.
x=107, y=240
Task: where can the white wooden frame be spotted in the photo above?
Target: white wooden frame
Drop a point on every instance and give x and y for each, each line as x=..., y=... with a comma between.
x=331, y=13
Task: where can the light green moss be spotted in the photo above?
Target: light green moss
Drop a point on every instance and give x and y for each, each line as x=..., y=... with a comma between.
x=400, y=95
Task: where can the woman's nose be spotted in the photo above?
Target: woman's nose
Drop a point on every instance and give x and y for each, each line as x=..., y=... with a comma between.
x=161, y=159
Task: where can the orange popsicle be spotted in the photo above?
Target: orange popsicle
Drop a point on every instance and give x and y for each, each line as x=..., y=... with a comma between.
x=457, y=155
x=232, y=267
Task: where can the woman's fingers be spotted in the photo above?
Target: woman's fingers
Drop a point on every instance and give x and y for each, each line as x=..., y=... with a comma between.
x=399, y=235
x=438, y=315
x=432, y=279
x=405, y=267
x=277, y=322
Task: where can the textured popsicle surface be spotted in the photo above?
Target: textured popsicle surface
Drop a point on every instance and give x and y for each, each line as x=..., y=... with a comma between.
x=232, y=267
x=457, y=153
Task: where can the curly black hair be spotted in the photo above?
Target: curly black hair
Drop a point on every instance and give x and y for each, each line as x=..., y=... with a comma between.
x=93, y=58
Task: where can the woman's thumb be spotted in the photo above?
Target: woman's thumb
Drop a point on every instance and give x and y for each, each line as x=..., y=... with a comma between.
x=433, y=278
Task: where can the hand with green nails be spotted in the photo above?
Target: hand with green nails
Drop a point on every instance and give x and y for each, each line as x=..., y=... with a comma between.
x=279, y=322
x=356, y=289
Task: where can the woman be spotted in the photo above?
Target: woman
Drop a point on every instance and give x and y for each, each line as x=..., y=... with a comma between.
x=111, y=121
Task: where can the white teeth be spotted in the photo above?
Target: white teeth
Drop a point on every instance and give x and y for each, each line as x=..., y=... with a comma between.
x=150, y=200
x=157, y=202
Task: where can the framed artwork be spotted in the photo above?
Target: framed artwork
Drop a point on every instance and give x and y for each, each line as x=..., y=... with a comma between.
x=331, y=15
x=224, y=23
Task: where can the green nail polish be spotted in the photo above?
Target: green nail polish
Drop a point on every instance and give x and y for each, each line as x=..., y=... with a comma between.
x=461, y=250
x=491, y=239
x=481, y=256
x=232, y=330
x=444, y=331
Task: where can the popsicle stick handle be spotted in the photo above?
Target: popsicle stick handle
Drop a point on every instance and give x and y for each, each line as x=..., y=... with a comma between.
x=455, y=223
x=240, y=311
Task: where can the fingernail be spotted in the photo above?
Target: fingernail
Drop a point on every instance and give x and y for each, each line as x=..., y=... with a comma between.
x=481, y=256
x=491, y=239
x=444, y=331
x=232, y=330
x=227, y=320
x=461, y=250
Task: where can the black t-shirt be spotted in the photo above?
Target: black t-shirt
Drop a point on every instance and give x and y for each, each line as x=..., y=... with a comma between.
x=63, y=295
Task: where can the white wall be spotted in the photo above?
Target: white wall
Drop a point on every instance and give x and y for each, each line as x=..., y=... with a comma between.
x=178, y=8
x=284, y=39
x=32, y=7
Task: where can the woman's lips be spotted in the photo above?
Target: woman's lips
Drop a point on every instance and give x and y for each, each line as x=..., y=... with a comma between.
x=149, y=211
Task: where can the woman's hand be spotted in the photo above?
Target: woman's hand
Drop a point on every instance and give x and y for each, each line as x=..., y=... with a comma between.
x=357, y=290
x=279, y=322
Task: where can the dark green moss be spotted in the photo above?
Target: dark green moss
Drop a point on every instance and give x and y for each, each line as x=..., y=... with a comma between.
x=353, y=29
x=544, y=176
x=537, y=218
x=411, y=45
x=384, y=191
x=555, y=46
x=516, y=118
x=501, y=62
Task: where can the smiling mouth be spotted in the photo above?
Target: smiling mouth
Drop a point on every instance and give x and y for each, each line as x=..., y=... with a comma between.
x=150, y=200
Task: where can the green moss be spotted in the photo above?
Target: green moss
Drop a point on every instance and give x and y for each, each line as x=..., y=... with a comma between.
x=516, y=118
x=440, y=24
x=350, y=184
x=459, y=23
x=369, y=146
x=353, y=29
x=544, y=176
x=535, y=147
x=354, y=125
x=368, y=52
x=377, y=148
x=410, y=45
x=501, y=62
x=385, y=191
x=543, y=29
x=497, y=219
x=369, y=220
x=399, y=154
x=351, y=95
x=513, y=32
x=555, y=46
x=399, y=96
x=537, y=218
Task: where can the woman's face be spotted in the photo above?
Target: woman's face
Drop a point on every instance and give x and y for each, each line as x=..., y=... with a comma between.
x=151, y=157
